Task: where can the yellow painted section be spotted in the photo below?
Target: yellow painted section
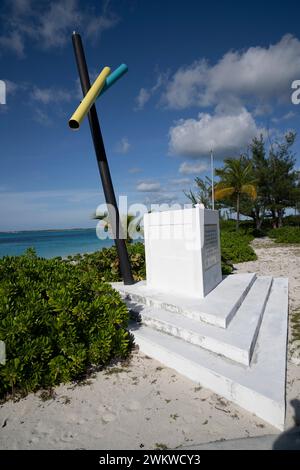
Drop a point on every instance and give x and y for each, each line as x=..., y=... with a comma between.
x=89, y=99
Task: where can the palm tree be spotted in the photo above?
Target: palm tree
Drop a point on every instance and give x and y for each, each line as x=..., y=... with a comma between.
x=203, y=195
x=236, y=178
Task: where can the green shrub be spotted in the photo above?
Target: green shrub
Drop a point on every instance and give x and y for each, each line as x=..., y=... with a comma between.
x=292, y=220
x=285, y=234
x=106, y=262
x=246, y=227
x=235, y=247
x=57, y=320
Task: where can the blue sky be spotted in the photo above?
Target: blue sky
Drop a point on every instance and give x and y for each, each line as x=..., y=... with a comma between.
x=201, y=75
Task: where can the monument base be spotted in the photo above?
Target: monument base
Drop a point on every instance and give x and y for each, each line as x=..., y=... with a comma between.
x=225, y=342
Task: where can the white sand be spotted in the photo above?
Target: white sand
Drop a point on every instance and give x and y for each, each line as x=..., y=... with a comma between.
x=145, y=405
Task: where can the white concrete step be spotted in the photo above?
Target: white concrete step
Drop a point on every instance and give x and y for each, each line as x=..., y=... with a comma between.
x=259, y=388
x=217, y=308
x=235, y=342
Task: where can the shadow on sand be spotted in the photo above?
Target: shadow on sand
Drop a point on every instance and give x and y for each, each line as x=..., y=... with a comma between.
x=290, y=439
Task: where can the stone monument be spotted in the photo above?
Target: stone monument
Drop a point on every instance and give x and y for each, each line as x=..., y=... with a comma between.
x=182, y=250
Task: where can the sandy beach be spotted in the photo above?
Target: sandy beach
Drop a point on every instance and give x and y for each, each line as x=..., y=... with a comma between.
x=142, y=404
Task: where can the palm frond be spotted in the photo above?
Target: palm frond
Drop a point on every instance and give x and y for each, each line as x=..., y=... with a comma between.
x=220, y=192
x=249, y=189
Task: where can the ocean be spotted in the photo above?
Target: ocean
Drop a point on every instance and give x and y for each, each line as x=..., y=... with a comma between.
x=51, y=243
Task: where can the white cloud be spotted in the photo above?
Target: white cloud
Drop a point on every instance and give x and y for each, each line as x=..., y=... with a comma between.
x=162, y=198
x=134, y=170
x=42, y=117
x=123, y=146
x=50, y=95
x=145, y=94
x=21, y=6
x=258, y=73
x=12, y=42
x=11, y=87
x=145, y=186
x=48, y=208
x=180, y=181
x=50, y=24
x=223, y=133
x=285, y=117
x=142, y=98
x=187, y=168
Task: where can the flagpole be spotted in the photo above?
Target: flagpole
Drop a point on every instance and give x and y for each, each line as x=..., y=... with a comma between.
x=212, y=180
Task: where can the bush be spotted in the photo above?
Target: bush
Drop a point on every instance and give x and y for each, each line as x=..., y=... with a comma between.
x=106, y=262
x=292, y=220
x=56, y=320
x=285, y=234
x=235, y=247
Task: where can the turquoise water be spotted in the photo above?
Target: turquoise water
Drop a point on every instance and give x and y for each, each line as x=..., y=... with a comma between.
x=51, y=243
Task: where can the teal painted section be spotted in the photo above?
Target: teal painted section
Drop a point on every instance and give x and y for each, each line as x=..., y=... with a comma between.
x=114, y=77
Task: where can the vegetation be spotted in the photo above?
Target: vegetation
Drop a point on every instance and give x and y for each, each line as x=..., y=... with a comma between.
x=260, y=185
x=285, y=234
x=57, y=320
x=276, y=181
x=203, y=194
x=295, y=321
x=235, y=247
x=236, y=179
x=105, y=263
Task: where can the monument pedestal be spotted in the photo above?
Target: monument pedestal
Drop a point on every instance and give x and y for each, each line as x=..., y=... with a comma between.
x=182, y=250
x=218, y=334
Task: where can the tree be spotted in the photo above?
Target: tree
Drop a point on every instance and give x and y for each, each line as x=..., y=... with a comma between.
x=296, y=194
x=256, y=208
x=236, y=178
x=282, y=177
x=203, y=195
x=276, y=180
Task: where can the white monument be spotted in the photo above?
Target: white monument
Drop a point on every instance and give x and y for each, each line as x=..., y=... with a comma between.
x=219, y=333
x=183, y=251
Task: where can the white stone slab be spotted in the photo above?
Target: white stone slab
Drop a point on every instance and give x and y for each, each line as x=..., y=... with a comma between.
x=259, y=388
x=217, y=308
x=235, y=342
x=182, y=249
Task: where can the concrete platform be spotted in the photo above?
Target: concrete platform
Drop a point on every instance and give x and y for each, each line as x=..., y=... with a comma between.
x=260, y=389
x=255, y=340
x=217, y=308
x=236, y=342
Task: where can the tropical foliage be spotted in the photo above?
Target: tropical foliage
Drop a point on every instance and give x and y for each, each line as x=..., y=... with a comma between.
x=57, y=320
x=235, y=247
x=261, y=184
x=105, y=263
x=277, y=181
x=285, y=234
x=236, y=179
x=203, y=193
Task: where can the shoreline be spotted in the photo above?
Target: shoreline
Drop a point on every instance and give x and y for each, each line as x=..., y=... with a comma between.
x=2, y=232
